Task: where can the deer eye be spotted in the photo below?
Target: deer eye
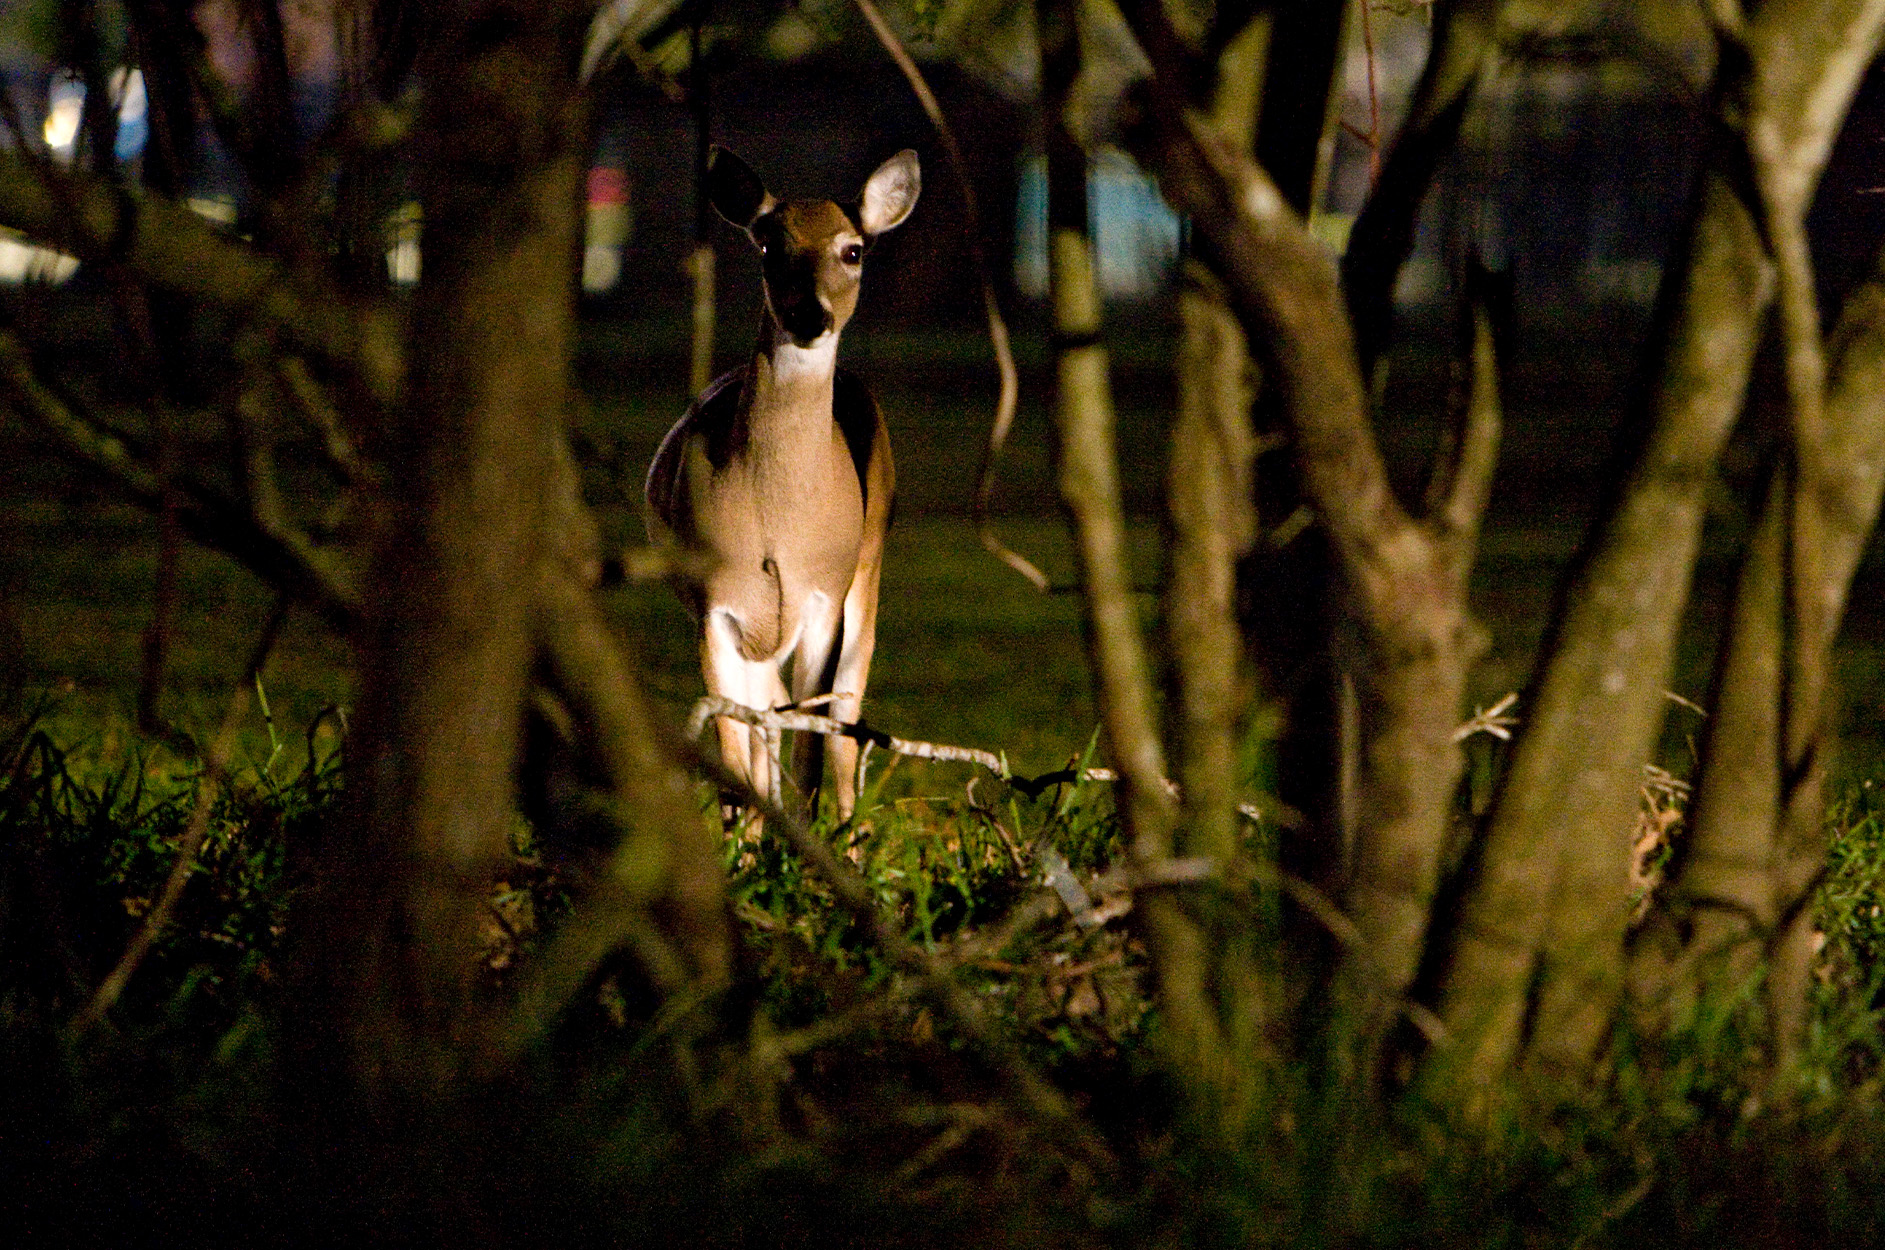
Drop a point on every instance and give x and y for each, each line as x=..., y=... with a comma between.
x=852, y=254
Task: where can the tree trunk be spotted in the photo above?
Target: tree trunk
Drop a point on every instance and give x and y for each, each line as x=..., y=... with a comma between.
x=1405, y=577
x=1558, y=830
x=393, y=1003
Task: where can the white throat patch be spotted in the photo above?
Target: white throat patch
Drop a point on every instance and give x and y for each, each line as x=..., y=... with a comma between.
x=789, y=360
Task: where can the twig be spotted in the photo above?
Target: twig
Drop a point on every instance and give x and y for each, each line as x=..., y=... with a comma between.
x=1490, y=720
x=967, y=1119
x=1690, y=704
x=997, y=326
x=215, y=767
x=712, y=705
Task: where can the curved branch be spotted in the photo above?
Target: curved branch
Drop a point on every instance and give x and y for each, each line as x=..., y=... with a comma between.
x=997, y=325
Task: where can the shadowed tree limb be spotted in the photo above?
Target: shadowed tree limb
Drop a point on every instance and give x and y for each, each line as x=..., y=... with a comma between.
x=390, y=995
x=190, y=844
x=666, y=865
x=1463, y=45
x=170, y=246
x=284, y=559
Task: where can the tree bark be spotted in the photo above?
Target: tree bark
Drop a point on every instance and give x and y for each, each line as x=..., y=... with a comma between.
x=1089, y=482
x=1808, y=58
x=1405, y=576
x=1557, y=831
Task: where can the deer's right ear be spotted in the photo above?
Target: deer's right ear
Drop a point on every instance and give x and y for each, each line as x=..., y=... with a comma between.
x=734, y=190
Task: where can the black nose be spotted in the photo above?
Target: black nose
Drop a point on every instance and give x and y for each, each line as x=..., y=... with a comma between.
x=803, y=319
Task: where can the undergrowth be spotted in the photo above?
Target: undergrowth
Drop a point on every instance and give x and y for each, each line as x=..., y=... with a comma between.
x=886, y=1127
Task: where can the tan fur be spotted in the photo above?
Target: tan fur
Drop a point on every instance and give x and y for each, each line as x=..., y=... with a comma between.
x=781, y=470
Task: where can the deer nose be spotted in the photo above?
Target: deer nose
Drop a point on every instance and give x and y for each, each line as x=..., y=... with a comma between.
x=802, y=316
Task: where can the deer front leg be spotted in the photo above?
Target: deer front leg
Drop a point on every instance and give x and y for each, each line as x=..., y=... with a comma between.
x=859, y=642
x=812, y=670
x=747, y=751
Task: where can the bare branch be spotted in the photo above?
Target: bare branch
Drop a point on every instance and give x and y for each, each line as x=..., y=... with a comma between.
x=1475, y=453
x=711, y=706
x=667, y=853
x=172, y=247
x=287, y=562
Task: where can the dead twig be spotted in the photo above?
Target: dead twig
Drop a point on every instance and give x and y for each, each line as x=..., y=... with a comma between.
x=1490, y=720
x=807, y=722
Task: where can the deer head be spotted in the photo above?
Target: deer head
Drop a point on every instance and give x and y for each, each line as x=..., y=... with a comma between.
x=811, y=251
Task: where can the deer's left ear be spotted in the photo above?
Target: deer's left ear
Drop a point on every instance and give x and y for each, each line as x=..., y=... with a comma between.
x=734, y=190
x=890, y=194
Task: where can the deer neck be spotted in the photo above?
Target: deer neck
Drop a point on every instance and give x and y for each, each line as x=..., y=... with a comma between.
x=790, y=388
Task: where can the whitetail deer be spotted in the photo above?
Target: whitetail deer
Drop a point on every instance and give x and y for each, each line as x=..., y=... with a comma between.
x=781, y=472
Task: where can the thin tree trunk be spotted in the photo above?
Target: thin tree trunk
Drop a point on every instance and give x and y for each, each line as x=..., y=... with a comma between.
x=1291, y=616
x=1809, y=57
x=1743, y=875
x=1806, y=60
x=1722, y=891
x=1089, y=481
x=1212, y=522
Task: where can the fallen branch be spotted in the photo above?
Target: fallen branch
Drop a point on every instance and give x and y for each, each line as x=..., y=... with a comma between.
x=808, y=722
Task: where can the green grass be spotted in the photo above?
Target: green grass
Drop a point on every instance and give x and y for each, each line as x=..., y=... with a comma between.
x=178, y=1092
x=172, y=1104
